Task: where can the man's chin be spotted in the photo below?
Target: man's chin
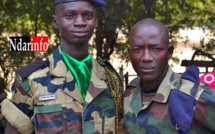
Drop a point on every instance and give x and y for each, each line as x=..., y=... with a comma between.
x=147, y=79
x=80, y=41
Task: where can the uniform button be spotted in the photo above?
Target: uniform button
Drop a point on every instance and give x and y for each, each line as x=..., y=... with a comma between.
x=177, y=127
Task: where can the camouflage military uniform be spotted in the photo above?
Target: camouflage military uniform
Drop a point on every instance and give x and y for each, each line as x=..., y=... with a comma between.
x=148, y=113
x=49, y=97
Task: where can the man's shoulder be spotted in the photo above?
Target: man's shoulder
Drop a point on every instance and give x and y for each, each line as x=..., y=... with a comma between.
x=38, y=63
x=190, y=84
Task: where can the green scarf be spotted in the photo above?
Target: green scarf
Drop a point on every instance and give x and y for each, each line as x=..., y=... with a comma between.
x=81, y=71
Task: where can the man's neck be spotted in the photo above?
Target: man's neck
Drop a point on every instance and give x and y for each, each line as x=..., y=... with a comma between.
x=77, y=52
x=149, y=91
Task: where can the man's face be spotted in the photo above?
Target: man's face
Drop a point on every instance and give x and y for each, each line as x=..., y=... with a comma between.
x=75, y=21
x=149, y=53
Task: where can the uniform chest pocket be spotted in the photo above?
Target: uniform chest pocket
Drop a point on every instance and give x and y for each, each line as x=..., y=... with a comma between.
x=48, y=118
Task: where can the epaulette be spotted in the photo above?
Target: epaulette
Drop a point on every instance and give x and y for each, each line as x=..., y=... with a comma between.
x=24, y=72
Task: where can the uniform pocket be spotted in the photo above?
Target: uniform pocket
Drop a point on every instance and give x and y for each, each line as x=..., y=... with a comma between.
x=48, y=119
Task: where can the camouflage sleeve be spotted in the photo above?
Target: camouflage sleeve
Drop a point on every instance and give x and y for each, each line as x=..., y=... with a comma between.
x=21, y=105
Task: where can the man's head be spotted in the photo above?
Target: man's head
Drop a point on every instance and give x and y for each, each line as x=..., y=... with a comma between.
x=75, y=19
x=149, y=50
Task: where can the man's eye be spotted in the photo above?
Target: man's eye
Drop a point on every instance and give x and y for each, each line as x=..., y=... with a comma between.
x=88, y=16
x=137, y=49
x=69, y=16
x=156, y=49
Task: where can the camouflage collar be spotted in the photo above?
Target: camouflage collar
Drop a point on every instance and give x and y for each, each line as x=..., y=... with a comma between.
x=58, y=67
x=164, y=88
x=163, y=91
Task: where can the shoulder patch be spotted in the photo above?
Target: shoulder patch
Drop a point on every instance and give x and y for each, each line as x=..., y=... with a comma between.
x=24, y=72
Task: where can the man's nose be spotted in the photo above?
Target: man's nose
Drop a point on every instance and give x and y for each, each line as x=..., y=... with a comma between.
x=146, y=56
x=80, y=21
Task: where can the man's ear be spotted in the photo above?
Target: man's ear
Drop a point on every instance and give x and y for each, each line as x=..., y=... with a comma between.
x=54, y=21
x=170, y=51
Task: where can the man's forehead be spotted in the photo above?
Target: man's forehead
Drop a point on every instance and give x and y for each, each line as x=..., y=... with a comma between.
x=146, y=30
x=96, y=3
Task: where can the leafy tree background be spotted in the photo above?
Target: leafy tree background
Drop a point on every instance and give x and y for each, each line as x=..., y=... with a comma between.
x=34, y=17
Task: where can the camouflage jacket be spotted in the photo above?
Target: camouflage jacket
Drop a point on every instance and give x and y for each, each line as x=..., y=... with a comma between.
x=49, y=102
x=148, y=113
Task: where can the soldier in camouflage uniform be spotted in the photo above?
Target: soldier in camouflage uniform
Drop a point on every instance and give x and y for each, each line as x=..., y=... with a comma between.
x=160, y=101
x=68, y=92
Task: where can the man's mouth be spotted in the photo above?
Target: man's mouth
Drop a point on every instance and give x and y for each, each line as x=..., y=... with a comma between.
x=147, y=69
x=79, y=33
